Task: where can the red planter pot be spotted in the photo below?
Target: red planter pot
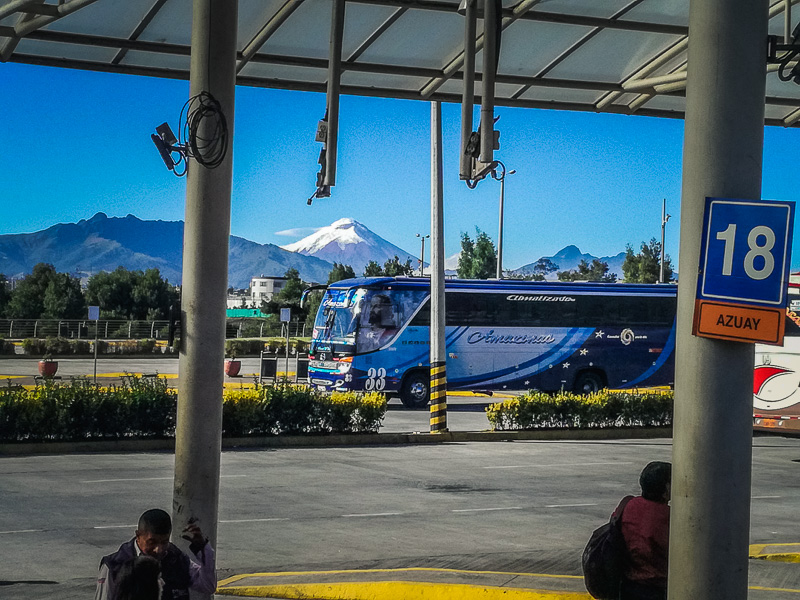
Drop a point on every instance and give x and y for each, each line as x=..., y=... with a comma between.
x=48, y=368
x=232, y=367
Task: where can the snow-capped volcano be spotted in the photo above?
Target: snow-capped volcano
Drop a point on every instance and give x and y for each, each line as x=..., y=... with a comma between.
x=348, y=242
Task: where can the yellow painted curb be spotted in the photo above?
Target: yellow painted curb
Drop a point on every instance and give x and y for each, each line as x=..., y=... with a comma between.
x=763, y=552
x=380, y=590
x=236, y=578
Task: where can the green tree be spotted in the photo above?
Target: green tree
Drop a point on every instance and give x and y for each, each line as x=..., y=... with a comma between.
x=291, y=293
x=464, y=268
x=394, y=268
x=373, y=269
x=137, y=295
x=542, y=268
x=289, y=296
x=112, y=291
x=63, y=298
x=596, y=271
x=152, y=296
x=27, y=299
x=478, y=259
x=645, y=267
x=340, y=272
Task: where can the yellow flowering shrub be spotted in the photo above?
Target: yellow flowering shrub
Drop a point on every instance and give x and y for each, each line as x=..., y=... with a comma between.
x=146, y=407
x=538, y=410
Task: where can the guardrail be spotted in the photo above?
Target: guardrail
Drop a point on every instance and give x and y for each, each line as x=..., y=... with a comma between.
x=118, y=329
x=83, y=329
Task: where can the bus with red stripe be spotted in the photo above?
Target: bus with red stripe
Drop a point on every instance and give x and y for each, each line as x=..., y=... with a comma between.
x=776, y=378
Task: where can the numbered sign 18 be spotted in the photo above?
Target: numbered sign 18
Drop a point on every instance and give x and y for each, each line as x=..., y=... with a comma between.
x=746, y=251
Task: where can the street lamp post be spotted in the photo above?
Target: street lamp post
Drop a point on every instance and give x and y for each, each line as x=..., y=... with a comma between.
x=422, y=255
x=501, y=177
x=664, y=218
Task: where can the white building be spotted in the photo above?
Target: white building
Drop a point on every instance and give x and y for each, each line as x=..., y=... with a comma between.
x=263, y=288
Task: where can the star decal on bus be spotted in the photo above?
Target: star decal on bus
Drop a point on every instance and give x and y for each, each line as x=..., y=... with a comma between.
x=565, y=365
x=599, y=334
x=584, y=352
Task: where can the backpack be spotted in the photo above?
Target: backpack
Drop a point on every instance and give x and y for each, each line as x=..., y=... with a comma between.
x=605, y=557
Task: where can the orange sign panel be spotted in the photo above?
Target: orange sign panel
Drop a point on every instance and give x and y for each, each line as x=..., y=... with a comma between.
x=738, y=322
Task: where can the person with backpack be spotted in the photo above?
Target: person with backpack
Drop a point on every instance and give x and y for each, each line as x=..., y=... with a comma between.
x=626, y=559
x=644, y=524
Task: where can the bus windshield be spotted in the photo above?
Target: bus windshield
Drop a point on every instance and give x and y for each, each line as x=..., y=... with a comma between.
x=365, y=317
x=337, y=318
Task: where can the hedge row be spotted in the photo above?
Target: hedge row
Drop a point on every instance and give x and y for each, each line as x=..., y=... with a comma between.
x=146, y=407
x=537, y=410
x=61, y=346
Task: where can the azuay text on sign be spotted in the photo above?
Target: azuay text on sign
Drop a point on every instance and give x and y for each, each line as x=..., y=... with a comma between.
x=739, y=322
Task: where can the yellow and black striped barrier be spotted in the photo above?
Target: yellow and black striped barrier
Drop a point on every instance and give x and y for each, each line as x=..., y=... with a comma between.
x=438, y=397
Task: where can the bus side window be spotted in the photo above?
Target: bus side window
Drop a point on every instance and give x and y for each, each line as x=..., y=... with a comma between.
x=423, y=316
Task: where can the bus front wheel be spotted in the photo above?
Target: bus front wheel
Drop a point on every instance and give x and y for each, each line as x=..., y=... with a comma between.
x=415, y=390
x=588, y=382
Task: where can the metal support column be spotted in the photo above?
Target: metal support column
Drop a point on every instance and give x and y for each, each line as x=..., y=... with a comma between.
x=334, y=80
x=205, y=281
x=712, y=449
x=468, y=96
x=490, y=32
x=438, y=349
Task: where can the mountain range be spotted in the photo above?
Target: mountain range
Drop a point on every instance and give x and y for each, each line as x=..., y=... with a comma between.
x=103, y=243
x=568, y=259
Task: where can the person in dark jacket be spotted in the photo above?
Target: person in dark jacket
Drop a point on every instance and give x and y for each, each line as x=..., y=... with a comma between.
x=179, y=573
x=645, y=528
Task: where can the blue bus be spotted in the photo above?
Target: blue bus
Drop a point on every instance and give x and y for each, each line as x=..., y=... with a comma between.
x=373, y=334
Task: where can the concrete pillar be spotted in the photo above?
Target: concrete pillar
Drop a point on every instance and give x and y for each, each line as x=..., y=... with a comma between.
x=438, y=349
x=714, y=379
x=205, y=281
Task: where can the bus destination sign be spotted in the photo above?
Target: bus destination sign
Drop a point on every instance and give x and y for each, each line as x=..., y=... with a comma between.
x=744, y=270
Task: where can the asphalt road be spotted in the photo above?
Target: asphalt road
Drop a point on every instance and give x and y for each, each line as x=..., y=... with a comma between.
x=513, y=506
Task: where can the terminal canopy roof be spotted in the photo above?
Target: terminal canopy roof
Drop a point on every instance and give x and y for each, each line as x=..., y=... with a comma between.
x=620, y=56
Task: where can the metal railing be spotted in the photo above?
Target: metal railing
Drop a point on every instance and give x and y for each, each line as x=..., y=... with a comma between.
x=258, y=328
x=118, y=329
x=83, y=329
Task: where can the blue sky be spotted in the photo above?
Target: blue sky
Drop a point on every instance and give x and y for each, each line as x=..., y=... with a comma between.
x=78, y=142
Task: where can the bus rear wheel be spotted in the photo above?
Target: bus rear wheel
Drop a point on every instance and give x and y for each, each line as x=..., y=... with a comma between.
x=415, y=392
x=588, y=382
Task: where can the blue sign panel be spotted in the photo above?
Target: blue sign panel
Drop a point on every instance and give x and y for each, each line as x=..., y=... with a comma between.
x=745, y=252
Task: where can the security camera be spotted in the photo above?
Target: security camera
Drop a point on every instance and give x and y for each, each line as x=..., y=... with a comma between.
x=167, y=143
x=165, y=133
x=163, y=151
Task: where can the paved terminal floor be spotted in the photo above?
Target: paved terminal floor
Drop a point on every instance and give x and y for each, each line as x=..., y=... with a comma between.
x=457, y=520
